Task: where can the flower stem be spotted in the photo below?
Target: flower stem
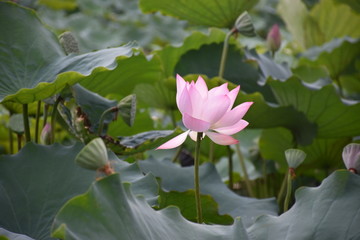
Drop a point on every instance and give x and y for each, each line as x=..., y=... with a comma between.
x=224, y=53
x=288, y=191
x=196, y=178
x=102, y=119
x=26, y=123
x=11, y=139
x=231, y=181
x=282, y=189
x=246, y=176
x=19, y=139
x=37, y=122
x=177, y=154
x=53, y=119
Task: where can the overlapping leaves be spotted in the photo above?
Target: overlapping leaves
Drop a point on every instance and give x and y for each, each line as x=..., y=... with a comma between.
x=32, y=62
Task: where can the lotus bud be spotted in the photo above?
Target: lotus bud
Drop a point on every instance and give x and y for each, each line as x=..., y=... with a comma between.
x=244, y=25
x=351, y=157
x=93, y=156
x=294, y=157
x=69, y=43
x=273, y=38
x=46, y=134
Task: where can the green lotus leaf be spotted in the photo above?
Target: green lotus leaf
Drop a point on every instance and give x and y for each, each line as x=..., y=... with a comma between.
x=322, y=106
x=322, y=153
x=35, y=183
x=229, y=202
x=7, y=235
x=34, y=66
x=112, y=211
x=325, y=212
x=222, y=14
x=336, y=55
x=328, y=19
x=185, y=201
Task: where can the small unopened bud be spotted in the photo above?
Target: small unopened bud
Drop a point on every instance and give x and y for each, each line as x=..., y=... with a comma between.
x=69, y=43
x=294, y=157
x=273, y=38
x=244, y=25
x=351, y=157
x=46, y=134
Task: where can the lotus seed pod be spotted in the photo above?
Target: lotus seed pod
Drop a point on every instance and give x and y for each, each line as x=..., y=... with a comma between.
x=69, y=43
x=93, y=156
x=244, y=25
x=294, y=157
x=351, y=157
x=127, y=109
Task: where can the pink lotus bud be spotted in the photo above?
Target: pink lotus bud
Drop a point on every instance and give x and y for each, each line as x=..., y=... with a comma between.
x=46, y=134
x=351, y=157
x=274, y=38
x=210, y=112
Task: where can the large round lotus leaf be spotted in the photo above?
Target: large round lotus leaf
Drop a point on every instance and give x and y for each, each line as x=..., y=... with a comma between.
x=32, y=62
x=35, y=183
x=211, y=13
x=210, y=183
x=109, y=210
x=330, y=211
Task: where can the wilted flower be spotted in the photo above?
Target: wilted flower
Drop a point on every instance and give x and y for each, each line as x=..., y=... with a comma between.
x=46, y=134
x=274, y=38
x=209, y=112
x=351, y=157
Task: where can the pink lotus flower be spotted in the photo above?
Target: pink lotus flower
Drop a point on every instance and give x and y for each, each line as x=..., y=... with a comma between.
x=209, y=112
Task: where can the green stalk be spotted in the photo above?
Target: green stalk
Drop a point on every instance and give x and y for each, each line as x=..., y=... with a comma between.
x=11, y=139
x=53, y=119
x=231, y=181
x=177, y=153
x=288, y=191
x=19, y=138
x=37, y=122
x=282, y=189
x=196, y=178
x=246, y=176
x=224, y=53
x=102, y=119
x=26, y=123
x=264, y=172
